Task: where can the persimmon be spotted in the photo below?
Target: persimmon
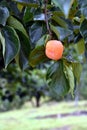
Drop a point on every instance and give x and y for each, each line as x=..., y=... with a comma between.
x=54, y=49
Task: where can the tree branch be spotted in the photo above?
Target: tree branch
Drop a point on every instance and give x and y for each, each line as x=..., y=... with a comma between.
x=46, y=18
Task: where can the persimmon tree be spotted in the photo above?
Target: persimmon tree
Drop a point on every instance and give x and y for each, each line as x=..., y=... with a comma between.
x=27, y=25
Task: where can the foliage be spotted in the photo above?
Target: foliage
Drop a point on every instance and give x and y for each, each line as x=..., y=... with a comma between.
x=26, y=26
x=82, y=92
x=16, y=86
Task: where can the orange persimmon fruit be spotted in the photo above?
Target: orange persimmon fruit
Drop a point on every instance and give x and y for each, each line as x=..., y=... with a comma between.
x=54, y=49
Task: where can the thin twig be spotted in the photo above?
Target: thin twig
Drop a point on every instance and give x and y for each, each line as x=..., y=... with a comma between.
x=46, y=18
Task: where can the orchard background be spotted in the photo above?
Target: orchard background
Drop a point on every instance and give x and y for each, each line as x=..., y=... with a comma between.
x=25, y=70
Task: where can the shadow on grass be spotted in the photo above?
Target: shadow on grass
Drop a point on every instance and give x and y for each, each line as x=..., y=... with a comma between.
x=77, y=113
x=60, y=128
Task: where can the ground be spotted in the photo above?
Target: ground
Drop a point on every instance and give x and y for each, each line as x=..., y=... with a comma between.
x=50, y=116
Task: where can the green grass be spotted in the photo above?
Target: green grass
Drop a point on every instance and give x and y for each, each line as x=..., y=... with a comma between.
x=24, y=119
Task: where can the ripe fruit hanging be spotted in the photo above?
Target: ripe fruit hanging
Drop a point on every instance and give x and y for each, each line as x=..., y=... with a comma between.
x=54, y=49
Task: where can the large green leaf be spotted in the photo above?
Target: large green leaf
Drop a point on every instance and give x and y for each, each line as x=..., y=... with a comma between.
x=77, y=69
x=25, y=44
x=59, y=20
x=68, y=70
x=80, y=46
x=21, y=60
x=38, y=53
x=12, y=44
x=37, y=56
x=23, y=55
x=58, y=84
x=60, y=32
x=13, y=22
x=83, y=30
x=36, y=31
x=64, y=5
x=4, y=14
x=24, y=38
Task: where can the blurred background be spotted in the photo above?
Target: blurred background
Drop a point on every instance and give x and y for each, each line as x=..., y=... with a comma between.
x=40, y=108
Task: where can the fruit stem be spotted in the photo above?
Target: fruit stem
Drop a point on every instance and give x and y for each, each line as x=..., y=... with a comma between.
x=46, y=18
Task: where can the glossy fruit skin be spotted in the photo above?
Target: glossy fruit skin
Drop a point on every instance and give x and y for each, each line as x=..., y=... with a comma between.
x=54, y=49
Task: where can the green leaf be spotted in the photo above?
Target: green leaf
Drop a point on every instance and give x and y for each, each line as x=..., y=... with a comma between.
x=58, y=83
x=43, y=40
x=33, y=32
x=36, y=31
x=68, y=70
x=24, y=39
x=28, y=15
x=60, y=32
x=83, y=30
x=31, y=3
x=55, y=30
x=21, y=60
x=23, y=55
x=13, y=22
x=25, y=44
x=58, y=13
x=37, y=56
x=60, y=21
x=2, y=41
x=38, y=53
x=4, y=14
x=12, y=44
x=80, y=46
x=64, y=5
x=77, y=69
